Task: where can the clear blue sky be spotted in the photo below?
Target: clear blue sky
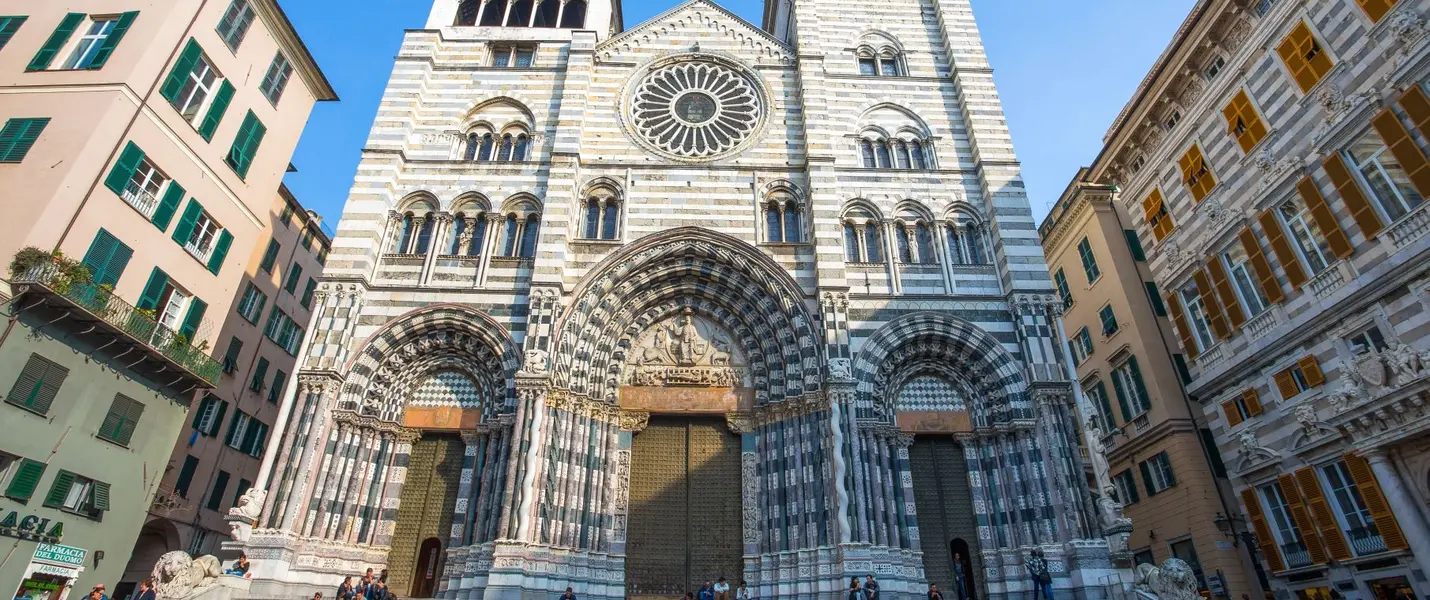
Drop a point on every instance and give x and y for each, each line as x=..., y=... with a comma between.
x=1064, y=69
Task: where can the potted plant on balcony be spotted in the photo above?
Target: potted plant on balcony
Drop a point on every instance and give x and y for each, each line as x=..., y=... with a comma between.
x=50, y=268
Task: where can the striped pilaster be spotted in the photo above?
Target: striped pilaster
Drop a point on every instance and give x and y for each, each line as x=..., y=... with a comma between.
x=392, y=490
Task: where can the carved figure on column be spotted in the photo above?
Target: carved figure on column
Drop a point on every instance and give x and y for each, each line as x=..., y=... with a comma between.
x=244, y=515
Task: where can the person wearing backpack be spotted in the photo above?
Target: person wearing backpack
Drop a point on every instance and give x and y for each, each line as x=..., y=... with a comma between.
x=1042, y=580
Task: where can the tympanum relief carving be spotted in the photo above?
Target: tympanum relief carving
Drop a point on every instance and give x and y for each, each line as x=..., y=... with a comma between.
x=686, y=350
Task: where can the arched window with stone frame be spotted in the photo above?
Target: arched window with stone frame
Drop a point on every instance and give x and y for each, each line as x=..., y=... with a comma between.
x=498, y=129
x=520, y=14
x=469, y=227
x=967, y=238
x=467, y=12
x=892, y=137
x=863, y=227
x=573, y=14
x=413, y=231
x=880, y=55
x=783, y=217
x=913, y=235
x=601, y=212
x=547, y=13
x=520, y=228
x=492, y=13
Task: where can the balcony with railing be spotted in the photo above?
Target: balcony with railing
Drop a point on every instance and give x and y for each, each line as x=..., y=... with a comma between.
x=200, y=252
x=95, y=311
x=1297, y=555
x=1366, y=540
x=142, y=201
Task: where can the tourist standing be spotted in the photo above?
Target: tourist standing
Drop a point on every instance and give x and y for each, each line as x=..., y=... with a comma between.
x=958, y=590
x=722, y=590
x=1042, y=580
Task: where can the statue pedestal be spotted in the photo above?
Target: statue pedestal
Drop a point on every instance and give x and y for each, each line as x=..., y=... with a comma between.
x=226, y=587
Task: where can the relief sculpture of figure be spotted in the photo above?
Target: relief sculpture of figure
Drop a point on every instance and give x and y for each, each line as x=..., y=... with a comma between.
x=721, y=356
x=689, y=347
x=655, y=353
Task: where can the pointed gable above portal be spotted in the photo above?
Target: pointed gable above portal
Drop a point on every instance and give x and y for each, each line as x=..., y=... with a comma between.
x=697, y=23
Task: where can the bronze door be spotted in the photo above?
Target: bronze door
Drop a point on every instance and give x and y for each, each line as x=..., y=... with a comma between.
x=684, y=526
x=944, y=508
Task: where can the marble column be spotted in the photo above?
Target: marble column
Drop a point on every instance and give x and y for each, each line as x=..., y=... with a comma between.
x=1397, y=495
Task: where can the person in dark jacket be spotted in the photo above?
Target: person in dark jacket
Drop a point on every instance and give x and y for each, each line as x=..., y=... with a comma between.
x=345, y=589
x=146, y=591
x=934, y=594
x=707, y=592
x=569, y=595
x=856, y=589
x=871, y=588
x=1042, y=580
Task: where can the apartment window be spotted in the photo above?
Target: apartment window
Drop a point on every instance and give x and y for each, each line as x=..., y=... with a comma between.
x=1351, y=510
x=1241, y=407
x=286, y=217
x=250, y=307
x=282, y=330
x=90, y=42
x=235, y=22
x=142, y=191
x=186, y=476
x=308, y=291
x=209, y=417
x=1196, y=173
x=1089, y=261
x=237, y=428
x=1366, y=341
x=18, y=136
x=323, y=252
x=1108, y=319
x=1081, y=346
x=77, y=494
x=1243, y=122
x=295, y=273
x=1131, y=390
x=1126, y=488
x=1292, y=381
x=1214, y=67
x=275, y=391
x=38, y=385
x=20, y=476
x=1157, y=474
x=270, y=256
x=1263, y=7
x=259, y=373
x=230, y=357
x=1376, y=9
x=1383, y=176
x=1155, y=297
x=203, y=236
x=246, y=434
x=1288, y=537
x=1097, y=394
x=1306, y=235
x=1061, y=281
x=519, y=57
x=1154, y=208
x=215, y=501
x=8, y=26
x=175, y=309
x=306, y=239
x=123, y=417
x=1134, y=245
x=1196, y=316
x=199, y=83
x=1238, y=267
x=1304, y=57
x=1172, y=119
x=196, y=545
x=276, y=79
x=245, y=145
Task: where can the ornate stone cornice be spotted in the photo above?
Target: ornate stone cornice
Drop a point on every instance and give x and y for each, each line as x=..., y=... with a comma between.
x=374, y=424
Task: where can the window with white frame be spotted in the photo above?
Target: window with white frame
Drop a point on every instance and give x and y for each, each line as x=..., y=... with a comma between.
x=172, y=303
x=517, y=57
x=1366, y=341
x=1108, y=320
x=1351, y=510
x=1196, y=316
x=1306, y=236
x=142, y=191
x=200, y=84
x=209, y=414
x=1288, y=537
x=234, y=26
x=237, y=430
x=250, y=306
x=276, y=79
x=1081, y=343
x=1130, y=388
x=1383, y=176
x=201, y=241
x=1238, y=268
x=89, y=44
x=1097, y=395
x=1126, y=487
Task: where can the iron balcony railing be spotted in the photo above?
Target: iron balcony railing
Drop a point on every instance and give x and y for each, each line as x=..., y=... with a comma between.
x=1296, y=555
x=137, y=324
x=142, y=201
x=1366, y=540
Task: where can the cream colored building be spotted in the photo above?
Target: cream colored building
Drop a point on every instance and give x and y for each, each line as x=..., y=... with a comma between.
x=1274, y=164
x=1171, y=483
x=148, y=139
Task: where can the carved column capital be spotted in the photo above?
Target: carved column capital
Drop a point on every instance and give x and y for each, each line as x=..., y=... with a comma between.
x=634, y=421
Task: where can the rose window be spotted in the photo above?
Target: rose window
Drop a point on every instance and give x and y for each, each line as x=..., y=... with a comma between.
x=695, y=109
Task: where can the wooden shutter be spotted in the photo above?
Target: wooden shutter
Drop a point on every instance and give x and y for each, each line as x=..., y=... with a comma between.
x=190, y=218
x=245, y=146
x=59, y=489
x=1140, y=386
x=203, y=408
x=218, y=418
x=1179, y=318
x=225, y=239
x=1121, y=391
x=1311, y=368
x=270, y=255
x=1233, y=416
x=1252, y=400
x=1375, y=9
x=18, y=136
x=1286, y=384
x=1403, y=147
x=8, y=27
x=1281, y=247
x=38, y=384
x=123, y=170
x=256, y=448
x=1325, y=218
x=1252, y=504
x=1147, y=478
x=1375, y=502
x=149, y=299
x=1302, y=517
x=106, y=259
x=99, y=496
x=1351, y=194
x=26, y=479
x=232, y=427
x=1235, y=315
x=180, y=73
x=164, y=214
x=216, y=111
x=192, y=319
x=1321, y=514
x=1265, y=277
x=1417, y=107
x=1209, y=302
x=106, y=48
x=56, y=41
x=186, y=476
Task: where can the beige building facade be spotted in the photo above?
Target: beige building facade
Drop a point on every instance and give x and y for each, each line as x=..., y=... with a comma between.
x=1274, y=164
x=148, y=138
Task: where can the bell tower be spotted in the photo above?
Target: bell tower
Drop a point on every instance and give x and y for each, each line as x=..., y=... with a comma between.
x=601, y=16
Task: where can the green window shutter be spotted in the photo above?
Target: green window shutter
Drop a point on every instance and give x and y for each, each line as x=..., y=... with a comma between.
x=193, y=318
x=187, y=222
x=18, y=136
x=57, y=40
x=203, y=408
x=218, y=418
x=225, y=239
x=1147, y=478
x=1166, y=461
x=259, y=373
x=26, y=479
x=216, y=497
x=158, y=280
x=175, y=82
x=276, y=389
x=1121, y=397
x=186, y=476
x=1135, y=245
x=216, y=110
x=250, y=435
x=255, y=446
x=308, y=292
x=123, y=169
x=1155, y=297
x=169, y=205
x=1104, y=404
x=111, y=42
x=8, y=27
x=1145, y=402
x=99, y=493
x=230, y=357
x=107, y=257
x=59, y=489
x=233, y=427
x=38, y=384
x=245, y=146
x=294, y=274
x=270, y=256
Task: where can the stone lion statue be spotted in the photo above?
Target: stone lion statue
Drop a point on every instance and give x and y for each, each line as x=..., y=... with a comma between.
x=244, y=515
x=177, y=575
x=1174, y=580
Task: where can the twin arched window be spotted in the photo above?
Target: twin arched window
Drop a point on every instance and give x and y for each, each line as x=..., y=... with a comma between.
x=915, y=242
x=567, y=14
x=893, y=154
x=414, y=235
x=519, y=232
x=469, y=233
x=883, y=62
x=487, y=147
x=966, y=245
x=862, y=242
x=783, y=222
x=601, y=210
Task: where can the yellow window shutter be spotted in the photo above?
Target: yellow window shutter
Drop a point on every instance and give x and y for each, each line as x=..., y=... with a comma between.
x=1351, y=194
x=1215, y=316
x=1325, y=219
x=1320, y=63
x=1269, y=551
x=1311, y=368
x=1265, y=277
x=1231, y=112
x=1302, y=517
x=1403, y=147
x=1179, y=318
x=1281, y=247
x=1234, y=314
x=1375, y=503
x=1286, y=384
x=1376, y=9
x=1252, y=400
x=1417, y=107
x=1152, y=204
x=1321, y=514
x=1233, y=416
x=1292, y=51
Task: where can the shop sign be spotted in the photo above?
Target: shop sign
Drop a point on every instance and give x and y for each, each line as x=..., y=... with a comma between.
x=53, y=570
x=65, y=556
x=1216, y=585
x=30, y=527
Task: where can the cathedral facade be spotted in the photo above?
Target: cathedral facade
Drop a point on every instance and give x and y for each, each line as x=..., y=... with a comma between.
x=630, y=310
